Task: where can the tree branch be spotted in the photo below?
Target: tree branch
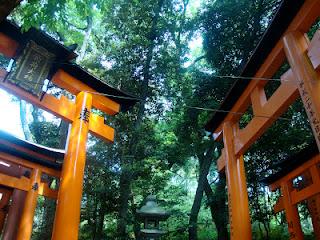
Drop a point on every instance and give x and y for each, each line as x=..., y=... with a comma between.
x=77, y=27
x=197, y=60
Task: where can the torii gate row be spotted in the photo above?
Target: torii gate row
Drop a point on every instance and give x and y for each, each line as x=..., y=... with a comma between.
x=74, y=79
x=26, y=171
x=298, y=180
x=284, y=40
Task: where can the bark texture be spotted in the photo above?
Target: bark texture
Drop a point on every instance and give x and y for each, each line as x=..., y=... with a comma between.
x=86, y=38
x=217, y=204
x=126, y=177
x=49, y=205
x=205, y=163
x=24, y=122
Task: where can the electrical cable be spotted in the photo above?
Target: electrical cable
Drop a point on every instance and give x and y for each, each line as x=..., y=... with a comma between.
x=248, y=78
x=191, y=107
x=235, y=113
x=115, y=96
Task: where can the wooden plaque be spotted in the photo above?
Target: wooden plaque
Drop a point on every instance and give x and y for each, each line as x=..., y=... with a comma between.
x=32, y=68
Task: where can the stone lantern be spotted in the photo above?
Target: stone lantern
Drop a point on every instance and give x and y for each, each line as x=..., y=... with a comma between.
x=151, y=215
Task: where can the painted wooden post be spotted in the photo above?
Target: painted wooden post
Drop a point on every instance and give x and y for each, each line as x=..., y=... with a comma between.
x=67, y=219
x=292, y=214
x=296, y=47
x=6, y=195
x=14, y=215
x=2, y=219
x=314, y=209
x=239, y=217
x=314, y=202
x=25, y=226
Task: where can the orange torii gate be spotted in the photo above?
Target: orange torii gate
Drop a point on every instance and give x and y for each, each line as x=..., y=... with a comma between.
x=39, y=57
x=285, y=39
x=298, y=180
x=25, y=169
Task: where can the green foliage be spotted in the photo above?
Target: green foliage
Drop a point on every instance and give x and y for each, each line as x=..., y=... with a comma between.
x=143, y=47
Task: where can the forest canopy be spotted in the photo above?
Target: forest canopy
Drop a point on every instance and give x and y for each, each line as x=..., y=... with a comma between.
x=169, y=54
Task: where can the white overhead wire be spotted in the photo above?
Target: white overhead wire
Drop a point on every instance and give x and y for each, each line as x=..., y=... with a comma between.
x=195, y=107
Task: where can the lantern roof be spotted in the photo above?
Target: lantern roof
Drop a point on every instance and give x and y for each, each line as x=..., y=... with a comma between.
x=45, y=156
x=281, y=21
x=152, y=210
x=64, y=57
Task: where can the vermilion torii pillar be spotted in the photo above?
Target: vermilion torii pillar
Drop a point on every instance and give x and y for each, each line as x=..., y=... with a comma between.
x=4, y=202
x=14, y=215
x=314, y=209
x=292, y=214
x=69, y=198
x=313, y=203
x=239, y=216
x=25, y=226
x=296, y=47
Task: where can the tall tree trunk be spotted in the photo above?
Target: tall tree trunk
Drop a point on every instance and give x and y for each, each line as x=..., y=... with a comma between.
x=86, y=38
x=256, y=33
x=24, y=122
x=136, y=223
x=217, y=204
x=101, y=216
x=63, y=133
x=205, y=162
x=125, y=189
x=50, y=205
x=6, y=6
x=126, y=176
x=95, y=216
